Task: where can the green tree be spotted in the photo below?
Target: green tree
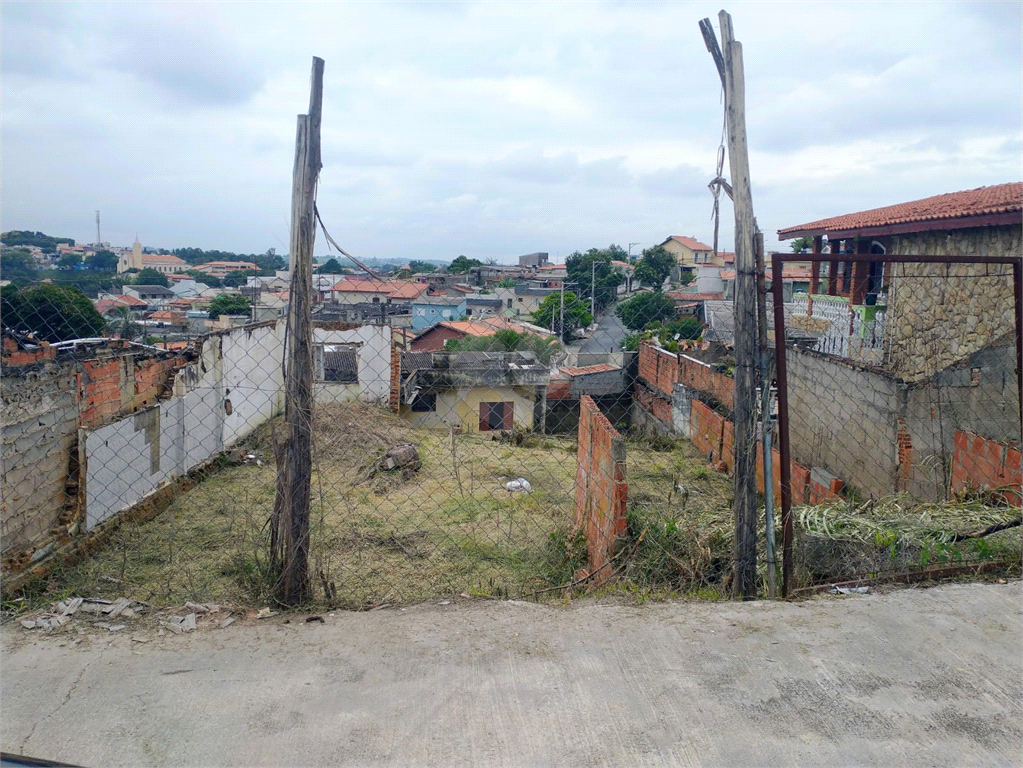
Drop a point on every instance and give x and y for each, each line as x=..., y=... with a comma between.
x=103, y=260
x=17, y=265
x=801, y=243
x=507, y=340
x=576, y=314
x=603, y=278
x=421, y=266
x=238, y=278
x=123, y=323
x=69, y=260
x=229, y=304
x=151, y=277
x=25, y=237
x=461, y=265
x=332, y=267
x=654, y=266
x=644, y=308
x=507, y=282
x=50, y=312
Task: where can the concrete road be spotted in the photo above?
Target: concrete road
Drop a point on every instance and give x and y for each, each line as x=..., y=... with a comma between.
x=926, y=677
x=609, y=335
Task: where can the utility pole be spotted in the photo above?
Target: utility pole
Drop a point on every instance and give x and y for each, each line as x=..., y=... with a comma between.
x=99, y=240
x=289, y=530
x=729, y=63
x=561, y=327
x=593, y=285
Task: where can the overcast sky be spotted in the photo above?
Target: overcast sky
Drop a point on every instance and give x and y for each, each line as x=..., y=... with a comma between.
x=491, y=129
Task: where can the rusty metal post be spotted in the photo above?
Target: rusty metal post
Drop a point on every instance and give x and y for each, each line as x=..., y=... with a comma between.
x=781, y=377
x=1017, y=290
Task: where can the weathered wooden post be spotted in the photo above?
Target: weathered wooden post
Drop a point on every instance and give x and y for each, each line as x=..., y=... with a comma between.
x=728, y=60
x=290, y=529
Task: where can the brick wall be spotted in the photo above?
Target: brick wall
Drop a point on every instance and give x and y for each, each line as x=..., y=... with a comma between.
x=661, y=370
x=600, y=490
x=394, y=396
x=979, y=463
x=45, y=400
x=699, y=376
x=652, y=403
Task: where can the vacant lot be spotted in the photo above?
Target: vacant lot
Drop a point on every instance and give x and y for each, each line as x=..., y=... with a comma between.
x=450, y=527
x=447, y=528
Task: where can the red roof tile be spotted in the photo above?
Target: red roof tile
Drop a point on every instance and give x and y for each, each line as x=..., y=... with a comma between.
x=1004, y=200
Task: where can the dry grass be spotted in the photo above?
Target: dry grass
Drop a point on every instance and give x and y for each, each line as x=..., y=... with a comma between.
x=451, y=527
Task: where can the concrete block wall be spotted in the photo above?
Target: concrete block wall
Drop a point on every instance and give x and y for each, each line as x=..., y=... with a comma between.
x=601, y=492
x=56, y=408
x=40, y=428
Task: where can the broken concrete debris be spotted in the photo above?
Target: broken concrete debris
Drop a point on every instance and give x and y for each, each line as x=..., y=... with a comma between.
x=98, y=612
x=401, y=456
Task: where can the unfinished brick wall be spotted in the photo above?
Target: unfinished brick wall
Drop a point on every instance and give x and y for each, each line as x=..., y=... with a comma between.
x=661, y=370
x=980, y=463
x=713, y=436
x=46, y=399
x=652, y=403
x=394, y=394
x=600, y=488
x=703, y=378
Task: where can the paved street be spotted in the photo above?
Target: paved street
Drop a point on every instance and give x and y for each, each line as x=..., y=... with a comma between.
x=608, y=337
x=916, y=677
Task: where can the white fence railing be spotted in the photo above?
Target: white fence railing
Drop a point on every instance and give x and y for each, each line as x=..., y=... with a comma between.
x=848, y=335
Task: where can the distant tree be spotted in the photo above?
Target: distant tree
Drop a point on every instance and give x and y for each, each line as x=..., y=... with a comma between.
x=229, y=304
x=421, y=266
x=576, y=314
x=654, y=266
x=802, y=243
x=461, y=265
x=644, y=308
x=604, y=278
x=238, y=278
x=507, y=340
x=69, y=260
x=102, y=260
x=151, y=277
x=123, y=323
x=51, y=312
x=507, y=282
x=17, y=265
x=332, y=267
x=25, y=237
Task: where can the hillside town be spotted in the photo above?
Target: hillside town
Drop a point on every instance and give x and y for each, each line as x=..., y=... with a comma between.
x=590, y=393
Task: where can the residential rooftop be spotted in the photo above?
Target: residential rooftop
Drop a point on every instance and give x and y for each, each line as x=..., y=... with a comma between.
x=984, y=206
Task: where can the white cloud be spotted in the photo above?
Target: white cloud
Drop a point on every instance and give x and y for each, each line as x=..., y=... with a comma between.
x=490, y=129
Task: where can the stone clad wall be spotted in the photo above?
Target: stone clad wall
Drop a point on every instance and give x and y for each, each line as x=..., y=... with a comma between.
x=940, y=313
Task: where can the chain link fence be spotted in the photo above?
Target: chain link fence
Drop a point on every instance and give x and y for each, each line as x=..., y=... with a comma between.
x=901, y=417
x=456, y=455
x=445, y=457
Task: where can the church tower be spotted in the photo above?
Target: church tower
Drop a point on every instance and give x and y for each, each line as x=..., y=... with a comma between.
x=136, y=254
x=133, y=260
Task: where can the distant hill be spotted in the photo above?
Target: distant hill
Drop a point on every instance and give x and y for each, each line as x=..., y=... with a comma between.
x=24, y=237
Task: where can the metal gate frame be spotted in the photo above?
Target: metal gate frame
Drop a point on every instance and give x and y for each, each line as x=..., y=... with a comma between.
x=777, y=265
